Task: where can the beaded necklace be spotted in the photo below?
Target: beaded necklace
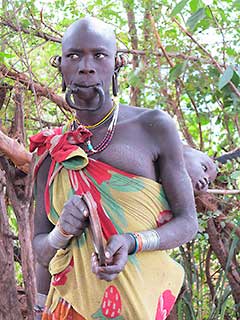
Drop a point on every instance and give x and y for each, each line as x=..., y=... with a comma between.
x=108, y=136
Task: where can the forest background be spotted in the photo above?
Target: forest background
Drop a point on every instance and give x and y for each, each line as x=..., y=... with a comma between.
x=183, y=57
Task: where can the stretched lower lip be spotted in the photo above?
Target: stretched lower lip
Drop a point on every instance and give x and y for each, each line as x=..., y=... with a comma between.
x=87, y=86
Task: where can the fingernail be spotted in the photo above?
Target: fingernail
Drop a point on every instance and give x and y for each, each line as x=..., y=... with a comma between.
x=85, y=213
x=107, y=254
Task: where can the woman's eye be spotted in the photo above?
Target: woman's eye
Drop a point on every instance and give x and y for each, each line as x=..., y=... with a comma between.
x=99, y=55
x=204, y=167
x=73, y=56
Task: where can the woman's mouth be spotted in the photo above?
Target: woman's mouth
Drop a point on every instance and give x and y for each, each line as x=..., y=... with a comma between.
x=76, y=88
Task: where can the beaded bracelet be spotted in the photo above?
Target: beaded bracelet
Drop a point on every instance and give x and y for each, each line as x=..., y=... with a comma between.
x=135, y=241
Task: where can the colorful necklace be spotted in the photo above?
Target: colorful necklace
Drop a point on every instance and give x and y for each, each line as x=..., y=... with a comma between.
x=108, y=136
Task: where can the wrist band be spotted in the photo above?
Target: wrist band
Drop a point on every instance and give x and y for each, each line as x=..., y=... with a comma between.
x=63, y=232
x=148, y=240
x=135, y=241
x=40, y=303
x=58, y=239
x=145, y=241
x=38, y=309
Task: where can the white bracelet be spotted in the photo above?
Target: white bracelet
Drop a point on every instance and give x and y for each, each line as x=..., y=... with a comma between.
x=150, y=240
x=57, y=239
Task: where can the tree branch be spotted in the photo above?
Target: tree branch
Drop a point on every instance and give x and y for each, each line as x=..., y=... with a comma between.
x=15, y=152
x=214, y=61
x=40, y=89
x=178, y=111
x=39, y=34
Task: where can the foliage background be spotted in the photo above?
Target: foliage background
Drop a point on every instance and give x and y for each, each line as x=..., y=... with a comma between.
x=191, y=70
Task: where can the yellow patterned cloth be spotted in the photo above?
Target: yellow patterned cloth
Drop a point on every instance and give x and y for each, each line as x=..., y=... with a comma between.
x=148, y=286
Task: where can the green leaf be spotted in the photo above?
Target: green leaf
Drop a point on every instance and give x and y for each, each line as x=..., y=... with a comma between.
x=235, y=175
x=178, y=8
x=6, y=55
x=196, y=4
x=195, y=18
x=176, y=71
x=225, y=78
x=237, y=4
x=238, y=69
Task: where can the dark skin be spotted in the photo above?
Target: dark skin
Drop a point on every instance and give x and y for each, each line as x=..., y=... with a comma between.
x=142, y=136
x=201, y=169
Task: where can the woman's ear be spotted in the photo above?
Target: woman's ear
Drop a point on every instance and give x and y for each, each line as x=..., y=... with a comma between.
x=120, y=61
x=55, y=62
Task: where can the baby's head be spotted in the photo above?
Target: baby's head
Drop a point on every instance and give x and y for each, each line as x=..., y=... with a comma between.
x=201, y=168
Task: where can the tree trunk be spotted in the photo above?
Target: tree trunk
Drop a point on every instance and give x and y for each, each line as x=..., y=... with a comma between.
x=9, y=306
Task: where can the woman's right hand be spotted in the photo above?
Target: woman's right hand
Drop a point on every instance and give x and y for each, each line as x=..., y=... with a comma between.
x=75, y=216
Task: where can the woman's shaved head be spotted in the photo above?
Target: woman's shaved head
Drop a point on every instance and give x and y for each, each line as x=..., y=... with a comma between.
x=90, y=26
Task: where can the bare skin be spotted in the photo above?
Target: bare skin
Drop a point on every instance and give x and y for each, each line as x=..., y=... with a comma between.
x=145, y=143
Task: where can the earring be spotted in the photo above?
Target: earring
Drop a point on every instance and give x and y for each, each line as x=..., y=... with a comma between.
x=55, y=62
x=64, y=87
x=115, y=84
x=120, y=61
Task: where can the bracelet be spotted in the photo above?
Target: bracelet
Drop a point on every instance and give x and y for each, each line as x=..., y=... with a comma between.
x=135, y=241
x=40, y=303
x=145, y=241
x=148, y=240
x=38, y=309
x=62, y=231
x=58, y=238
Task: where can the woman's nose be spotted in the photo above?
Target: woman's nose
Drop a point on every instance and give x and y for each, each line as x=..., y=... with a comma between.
x=86, y=66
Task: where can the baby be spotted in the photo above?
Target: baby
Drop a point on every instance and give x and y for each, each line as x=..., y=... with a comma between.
x=201, y=168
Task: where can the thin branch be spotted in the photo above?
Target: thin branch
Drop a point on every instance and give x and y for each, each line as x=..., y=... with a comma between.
x=222, y=191
x=134, y=90
x=214, y=61
x=28, y=65
x=40, y=89
x=222, y=34
x=47, y=26
x=177, y=110
x=209, y=277
x=45, y=122
x=236, y=120
x=49, y=37
x=39, y=34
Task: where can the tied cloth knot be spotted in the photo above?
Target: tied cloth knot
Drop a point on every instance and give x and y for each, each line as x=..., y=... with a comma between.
x=58, y=143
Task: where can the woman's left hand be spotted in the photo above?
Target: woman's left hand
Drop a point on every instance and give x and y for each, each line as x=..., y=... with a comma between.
x=116, y=254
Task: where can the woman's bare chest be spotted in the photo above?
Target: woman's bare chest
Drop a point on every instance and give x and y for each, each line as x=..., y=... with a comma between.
x=130, y=152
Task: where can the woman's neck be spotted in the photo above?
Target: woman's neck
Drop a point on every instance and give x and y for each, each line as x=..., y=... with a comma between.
x=91, y=117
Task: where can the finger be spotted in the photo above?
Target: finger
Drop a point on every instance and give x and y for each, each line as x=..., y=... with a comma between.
x=94, y=263
x=114, y=269
x=112, y=247
x=80, y=204
x=79, y=210
x=72, y=227
x=107, y=277
x=75, y=221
